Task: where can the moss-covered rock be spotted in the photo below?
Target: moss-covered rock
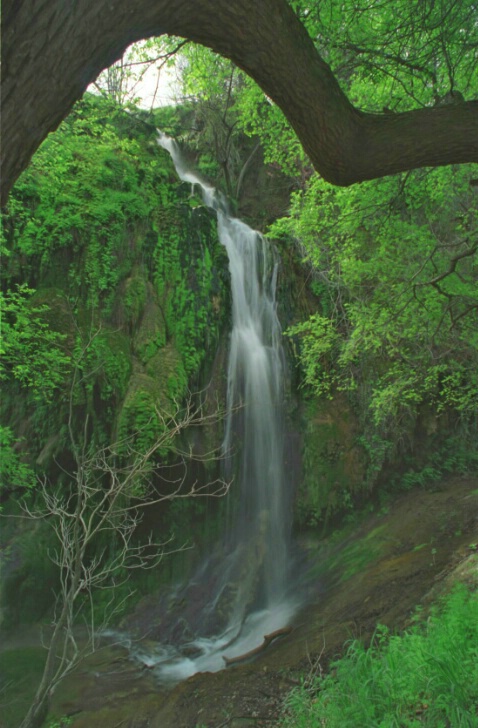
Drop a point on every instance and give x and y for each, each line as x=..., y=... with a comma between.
x=333, y=463
x=130, y=272
x=151, y=333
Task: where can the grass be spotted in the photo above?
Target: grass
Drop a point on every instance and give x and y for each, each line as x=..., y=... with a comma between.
x=426, y=677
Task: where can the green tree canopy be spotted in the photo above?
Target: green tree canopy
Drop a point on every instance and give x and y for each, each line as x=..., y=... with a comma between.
x=270, y=43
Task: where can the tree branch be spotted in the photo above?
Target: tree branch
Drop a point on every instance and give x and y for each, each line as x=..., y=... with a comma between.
x=104, y=499
x=52, y=52
x=451, y=267
x=453, y=263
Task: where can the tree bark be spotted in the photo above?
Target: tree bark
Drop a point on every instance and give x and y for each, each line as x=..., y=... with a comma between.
x=52, y=50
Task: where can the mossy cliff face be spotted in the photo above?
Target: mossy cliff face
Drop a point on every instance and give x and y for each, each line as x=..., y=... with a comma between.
x=323, y=455
x=125, y=272
x=342, y=457
x=126, y=267
x=333, y=464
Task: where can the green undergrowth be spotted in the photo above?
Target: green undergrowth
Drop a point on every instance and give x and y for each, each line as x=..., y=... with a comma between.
x=427, y=676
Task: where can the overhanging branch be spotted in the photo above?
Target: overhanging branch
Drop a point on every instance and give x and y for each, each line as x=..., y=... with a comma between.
x=51, y=53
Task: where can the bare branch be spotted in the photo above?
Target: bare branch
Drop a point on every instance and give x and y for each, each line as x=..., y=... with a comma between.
x=107, y=498
x=161, y=57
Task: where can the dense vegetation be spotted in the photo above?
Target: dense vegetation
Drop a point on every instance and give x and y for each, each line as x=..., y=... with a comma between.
x=95, y=300
x=392, y=264
x=114, y=294
x=426, y=677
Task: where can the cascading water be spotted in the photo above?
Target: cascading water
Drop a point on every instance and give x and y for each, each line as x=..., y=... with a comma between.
x=255, y=380
x=251, y=580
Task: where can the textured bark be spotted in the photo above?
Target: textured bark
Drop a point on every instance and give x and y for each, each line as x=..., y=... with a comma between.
x=52, y=49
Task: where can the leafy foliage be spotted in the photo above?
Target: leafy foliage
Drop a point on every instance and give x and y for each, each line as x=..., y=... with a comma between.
x=88, y=181
x=426, y=677
x=31, y=352
x=395, y=267
x=123, y=271
x=410, y=52
x=112, y=293
x=388, y=56
x=14, y=472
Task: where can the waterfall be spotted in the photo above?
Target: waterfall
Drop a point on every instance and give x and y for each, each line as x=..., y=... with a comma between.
x=255, y=380
x=252, y=577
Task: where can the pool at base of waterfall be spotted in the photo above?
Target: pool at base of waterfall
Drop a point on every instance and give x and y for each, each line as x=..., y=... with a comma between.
x=170, y=664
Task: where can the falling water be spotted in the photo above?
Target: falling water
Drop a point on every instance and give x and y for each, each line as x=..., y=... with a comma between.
x=251, y=581
x=255, y=379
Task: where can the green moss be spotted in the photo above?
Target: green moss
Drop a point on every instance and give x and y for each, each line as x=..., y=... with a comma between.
x=114, y=353
x=29, y=577
x=151, y=334
x=131, y=274
x=356, y=556
x=58, y=310
x=20, y=673
x=333, y=468
x=134, y=298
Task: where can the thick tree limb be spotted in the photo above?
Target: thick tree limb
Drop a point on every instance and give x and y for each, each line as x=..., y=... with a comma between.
x=52, y=49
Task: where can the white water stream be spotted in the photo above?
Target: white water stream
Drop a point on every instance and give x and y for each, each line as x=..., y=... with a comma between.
x=251, y=581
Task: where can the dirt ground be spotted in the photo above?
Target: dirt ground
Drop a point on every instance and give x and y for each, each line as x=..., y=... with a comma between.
x=376, y=573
